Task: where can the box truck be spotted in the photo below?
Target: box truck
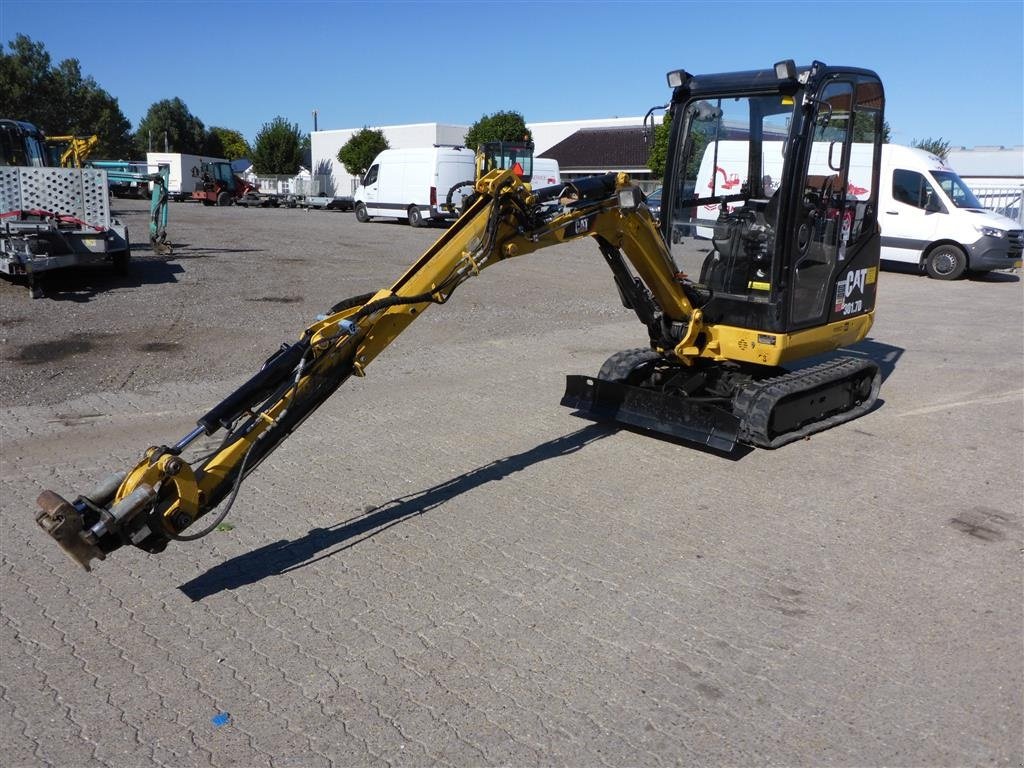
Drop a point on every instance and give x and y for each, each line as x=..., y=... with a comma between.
x=928, y=215
x=411, y=184
x=186, y=172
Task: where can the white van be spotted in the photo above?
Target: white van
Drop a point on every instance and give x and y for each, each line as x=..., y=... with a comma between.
x=412, y=184
x=928, y=215
x=931, y=218
x=545, y=173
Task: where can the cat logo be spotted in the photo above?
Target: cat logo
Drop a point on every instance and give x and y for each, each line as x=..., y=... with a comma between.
x=855, y=281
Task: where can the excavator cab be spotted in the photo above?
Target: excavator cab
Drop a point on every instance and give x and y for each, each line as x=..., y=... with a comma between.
x=516, y=156
x=22, y=145
x=771, y=195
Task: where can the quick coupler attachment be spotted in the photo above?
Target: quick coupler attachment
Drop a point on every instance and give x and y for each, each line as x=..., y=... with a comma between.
x=66, y=524
x=90, y=527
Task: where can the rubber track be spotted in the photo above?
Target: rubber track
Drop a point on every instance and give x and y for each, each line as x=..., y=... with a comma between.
x=755, y=403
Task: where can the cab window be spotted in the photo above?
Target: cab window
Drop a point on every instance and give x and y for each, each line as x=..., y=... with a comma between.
x=912, y=188
x=371, y=176
x=956, y=190
x=725, y=212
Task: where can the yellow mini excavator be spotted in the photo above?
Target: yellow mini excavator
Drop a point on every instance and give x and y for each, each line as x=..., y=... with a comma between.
x=766, y=253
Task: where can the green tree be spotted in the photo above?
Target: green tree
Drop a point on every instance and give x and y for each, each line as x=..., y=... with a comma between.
x=499, y=126
x=169, y=124
x=27, y=83
x=937, y=147
x=60, y=100
x=278, y=148
x=359, y=151
x=658, y=155
x=227, y=143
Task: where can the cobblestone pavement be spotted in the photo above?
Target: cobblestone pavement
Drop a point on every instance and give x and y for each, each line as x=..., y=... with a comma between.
x=442, y=566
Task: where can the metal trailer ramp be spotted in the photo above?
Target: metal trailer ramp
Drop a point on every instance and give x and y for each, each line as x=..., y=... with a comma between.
x=57, y=217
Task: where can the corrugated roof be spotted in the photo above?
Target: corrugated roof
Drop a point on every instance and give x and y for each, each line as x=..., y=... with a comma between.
x=618, y=148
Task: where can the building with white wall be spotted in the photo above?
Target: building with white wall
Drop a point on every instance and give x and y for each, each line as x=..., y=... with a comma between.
x=337, y=181
x=995, y=175
x=988, y=166
x=325, y=145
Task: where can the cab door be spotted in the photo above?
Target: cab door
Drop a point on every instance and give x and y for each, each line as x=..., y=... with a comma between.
x=371, y=188
x=834, y=242
x=910, y=217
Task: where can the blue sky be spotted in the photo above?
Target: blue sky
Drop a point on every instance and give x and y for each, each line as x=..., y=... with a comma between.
x=951, y=69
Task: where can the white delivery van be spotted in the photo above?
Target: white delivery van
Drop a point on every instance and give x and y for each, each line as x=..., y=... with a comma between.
x=185, y=171
x=545, y=173
x=928, y=215
x=412, y=184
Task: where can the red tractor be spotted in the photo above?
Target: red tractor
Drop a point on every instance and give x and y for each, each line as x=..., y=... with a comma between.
x=219, y=185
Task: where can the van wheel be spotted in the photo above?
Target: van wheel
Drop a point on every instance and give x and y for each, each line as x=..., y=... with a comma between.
x=947, y=262
x=415, y=217
x=361, y=214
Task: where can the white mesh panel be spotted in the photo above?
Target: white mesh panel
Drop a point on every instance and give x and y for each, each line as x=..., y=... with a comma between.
x=69, y=191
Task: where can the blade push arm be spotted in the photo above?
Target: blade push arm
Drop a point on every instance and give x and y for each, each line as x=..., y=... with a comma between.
x=166, y=493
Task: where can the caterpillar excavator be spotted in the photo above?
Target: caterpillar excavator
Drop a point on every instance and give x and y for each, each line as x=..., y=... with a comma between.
x=747, y=271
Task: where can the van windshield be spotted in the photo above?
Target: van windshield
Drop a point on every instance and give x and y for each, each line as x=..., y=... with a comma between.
x=956, y=190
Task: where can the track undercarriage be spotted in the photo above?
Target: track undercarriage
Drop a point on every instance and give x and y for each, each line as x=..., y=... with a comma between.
x=721, y=405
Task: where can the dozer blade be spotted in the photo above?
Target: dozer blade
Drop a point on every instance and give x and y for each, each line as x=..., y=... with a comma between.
x=652, y=410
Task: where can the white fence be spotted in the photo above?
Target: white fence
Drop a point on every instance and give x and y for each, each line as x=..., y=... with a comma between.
x=1008, y=201
x=291, y=185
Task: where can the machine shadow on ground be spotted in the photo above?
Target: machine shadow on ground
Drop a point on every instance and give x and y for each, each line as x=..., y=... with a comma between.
x=993, y=276
x=82, y=284
x=320, y=543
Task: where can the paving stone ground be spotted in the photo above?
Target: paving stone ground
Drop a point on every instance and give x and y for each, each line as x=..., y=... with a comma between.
x=443, y=566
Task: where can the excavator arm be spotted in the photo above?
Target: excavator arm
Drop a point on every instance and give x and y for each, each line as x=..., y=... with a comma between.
x=158, y=203
x=167, y=493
